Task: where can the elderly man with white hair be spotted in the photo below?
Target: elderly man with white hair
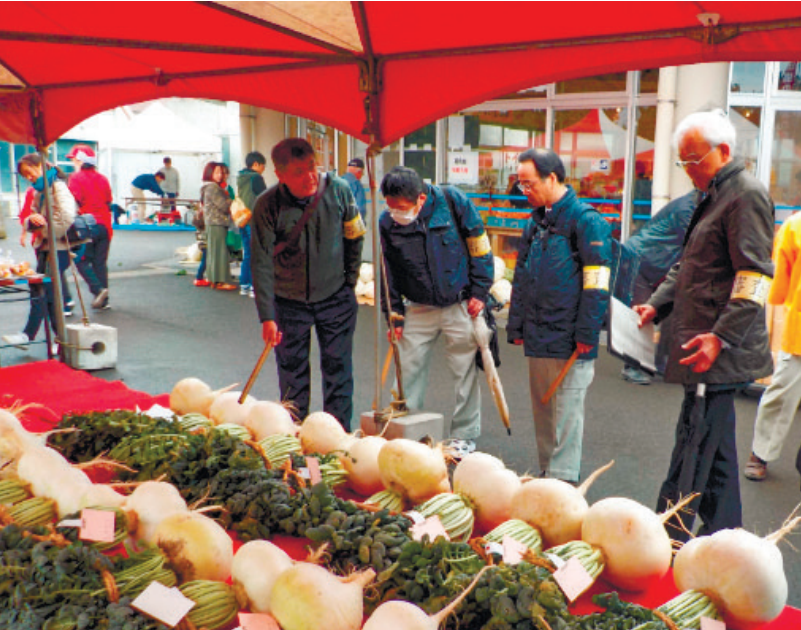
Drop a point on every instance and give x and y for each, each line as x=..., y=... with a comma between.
x=716, y=293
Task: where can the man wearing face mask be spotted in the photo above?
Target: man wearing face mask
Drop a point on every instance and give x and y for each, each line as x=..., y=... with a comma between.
x=439, y=271
x=306, y=252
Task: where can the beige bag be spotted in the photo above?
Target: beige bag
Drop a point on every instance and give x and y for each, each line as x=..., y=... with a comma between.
x=240, y=213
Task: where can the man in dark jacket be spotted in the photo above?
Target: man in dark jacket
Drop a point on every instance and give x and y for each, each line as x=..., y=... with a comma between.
x=559, y=300
x=304, y=276
x=249, y=185
x=439, y=259
x=716, y=293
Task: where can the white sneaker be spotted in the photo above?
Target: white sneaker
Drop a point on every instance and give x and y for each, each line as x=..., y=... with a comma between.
x=54, y=349
x=19, y=340
x=244, y=290
x=458, y=448
x=252, y=293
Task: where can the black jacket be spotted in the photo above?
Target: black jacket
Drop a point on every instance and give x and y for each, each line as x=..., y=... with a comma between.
x=730, y=237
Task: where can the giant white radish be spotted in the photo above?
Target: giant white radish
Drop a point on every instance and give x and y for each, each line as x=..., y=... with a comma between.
x=413, y=470
x=266, y=418
x=360, y=459
x=198, y=548
x=191, y=395
x=322, y=433
x=489, y=486
x=226, y=408
x=255, y=569
x=149, y=504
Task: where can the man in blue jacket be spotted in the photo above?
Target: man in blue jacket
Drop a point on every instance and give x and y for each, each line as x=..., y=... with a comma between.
x=439, y=259
x=559, y=300
x=140, y=184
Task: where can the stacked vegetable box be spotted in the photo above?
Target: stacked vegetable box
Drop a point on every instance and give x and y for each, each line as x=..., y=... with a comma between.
x=196, y=496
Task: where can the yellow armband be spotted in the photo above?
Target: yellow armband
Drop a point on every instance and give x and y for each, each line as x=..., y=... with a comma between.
x=597, y=278
x=355, y=228
x=751, y=285
x=478, y=245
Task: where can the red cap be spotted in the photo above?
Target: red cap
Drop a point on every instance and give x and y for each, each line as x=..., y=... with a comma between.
x=81, y=148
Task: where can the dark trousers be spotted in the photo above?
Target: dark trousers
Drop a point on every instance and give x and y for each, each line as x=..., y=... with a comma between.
x=92, y=262
x=335, y=322
x=704, y=460
x=42, y=294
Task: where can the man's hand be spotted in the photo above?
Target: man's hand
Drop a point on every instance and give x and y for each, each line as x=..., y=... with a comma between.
x=398, y=334
x=583, y=348
x=270, y=333
x=708, y=345
x=646, y=312
x=474, y=307
x=22, y=238
x=36, y=221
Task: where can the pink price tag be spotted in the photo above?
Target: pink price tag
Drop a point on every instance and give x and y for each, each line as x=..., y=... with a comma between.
x=431, y=526
x=573, y=579
x=315, y=476
x=97, y=526
x=167, y=605
x=712, y=624
x=248, y=621
x=513, y=550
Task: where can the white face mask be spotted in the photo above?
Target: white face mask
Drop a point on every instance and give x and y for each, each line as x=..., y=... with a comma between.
x=403, y=218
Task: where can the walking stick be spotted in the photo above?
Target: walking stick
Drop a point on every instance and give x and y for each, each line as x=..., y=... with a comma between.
x=560, y=377
x=253, y=375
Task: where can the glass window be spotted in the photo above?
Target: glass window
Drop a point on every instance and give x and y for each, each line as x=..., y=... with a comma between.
x=747, y=121
x=615, y=82
x=420, y=152
x=535, y=92
x=790, y=76
x=748, y=77
x=322, y=139
x=785, y=174
x=649, y=81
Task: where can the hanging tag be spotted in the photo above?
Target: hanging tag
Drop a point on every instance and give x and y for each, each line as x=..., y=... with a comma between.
x=97, y=525
x=249, y=621
x=573, y=579
x=493, y=547
x=708, y=623
x=315, y=476
x=167, y=605
x=431, y=526
x=70, y=522
x=304, y=473
x=414, y=517
x=513, y=550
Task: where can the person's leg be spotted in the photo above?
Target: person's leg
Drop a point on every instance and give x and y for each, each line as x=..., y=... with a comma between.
x=102, y=245
x=566, y=457
x=294, y=320
x=219, y=266
x=777, y=408
x=460, y=352
x=201, y=270
x=141, y=209
x=541, y=373
x=245, y=277
x=335, y=323
x=85, y=262
x=421, y=327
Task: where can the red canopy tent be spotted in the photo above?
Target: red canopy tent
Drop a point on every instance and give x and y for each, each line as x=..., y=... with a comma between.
x=384, y=68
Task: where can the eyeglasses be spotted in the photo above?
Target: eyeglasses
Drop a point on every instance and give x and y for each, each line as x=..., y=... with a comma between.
x=525, y=186
x=685, y=163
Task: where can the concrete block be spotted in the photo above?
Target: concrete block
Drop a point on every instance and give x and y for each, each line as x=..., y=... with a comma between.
x=414, y=426
x=92, y=347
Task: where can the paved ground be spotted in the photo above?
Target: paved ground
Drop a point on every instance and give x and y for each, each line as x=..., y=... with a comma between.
x=168, y=329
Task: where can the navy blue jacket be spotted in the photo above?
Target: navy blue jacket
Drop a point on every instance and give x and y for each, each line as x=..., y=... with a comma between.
x=561, y=286
x=439, y=259
x=148, y=181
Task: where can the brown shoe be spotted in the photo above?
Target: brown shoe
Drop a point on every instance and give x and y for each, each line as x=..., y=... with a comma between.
x=756, y=469
x=221, y=286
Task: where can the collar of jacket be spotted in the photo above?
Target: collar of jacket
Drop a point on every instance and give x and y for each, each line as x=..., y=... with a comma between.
x=735, y=167
x=550, y=218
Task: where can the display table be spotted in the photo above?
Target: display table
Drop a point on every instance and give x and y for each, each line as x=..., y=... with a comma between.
x=69, y=390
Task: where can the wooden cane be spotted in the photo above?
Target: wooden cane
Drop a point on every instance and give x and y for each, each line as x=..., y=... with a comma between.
x=253, y=375
x=387, y=363
x=560, y=377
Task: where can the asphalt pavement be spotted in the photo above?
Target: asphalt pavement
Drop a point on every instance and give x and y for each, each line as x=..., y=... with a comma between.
x=168, y=329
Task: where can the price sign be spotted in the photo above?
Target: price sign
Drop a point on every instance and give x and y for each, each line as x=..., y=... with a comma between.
x=167, y=605
x=573, y=579
x=97, y=525
x=712, y=624
x=513, y=550
x=315, y=476
x=248, y=621
x=432, y=526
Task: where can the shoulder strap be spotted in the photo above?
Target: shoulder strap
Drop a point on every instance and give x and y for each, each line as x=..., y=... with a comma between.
x=294, y=235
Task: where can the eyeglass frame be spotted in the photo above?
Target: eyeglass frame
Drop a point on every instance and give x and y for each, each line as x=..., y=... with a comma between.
x=685, y=163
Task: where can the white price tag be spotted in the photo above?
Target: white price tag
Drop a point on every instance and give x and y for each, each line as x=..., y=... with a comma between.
x=304, y=473
x=573, y=579
x=513, y=550
x=74, y=522
x=432, y=526
x=555, y=560
x=97, y=525
x=414, y=517
x=167, y=605
x=493, y=547
x=712, y=624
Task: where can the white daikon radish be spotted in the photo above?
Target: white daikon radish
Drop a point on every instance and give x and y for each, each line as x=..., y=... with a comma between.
x=43, y=468
x=197, y=547
x=554, y=507
x=360, y=459
x=360, y=288
x=636, y=547
x=413, y=470
x=502, y=291
x=399, y=615
x=741, y=573
x=15, y=439
x=255, y=569
x=321, y=433
x=191, y=395
x=226, y=409
x=489, y=486
x=307, y=597
x=149, y=504
x=499, y=268
x=266, y=418
x=366, y=273
x=102, y=496
x=68, y=491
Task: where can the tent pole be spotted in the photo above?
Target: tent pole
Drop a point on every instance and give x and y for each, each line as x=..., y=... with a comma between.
x=377, y=262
